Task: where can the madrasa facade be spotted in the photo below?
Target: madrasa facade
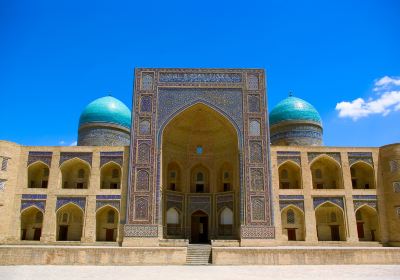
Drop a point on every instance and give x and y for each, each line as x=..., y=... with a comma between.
x=199, y=160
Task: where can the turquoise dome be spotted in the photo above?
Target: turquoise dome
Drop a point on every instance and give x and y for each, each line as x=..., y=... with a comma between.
x=106, y=110
x=294, y=109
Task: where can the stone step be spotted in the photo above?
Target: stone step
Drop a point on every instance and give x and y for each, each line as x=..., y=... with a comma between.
x=198, y=254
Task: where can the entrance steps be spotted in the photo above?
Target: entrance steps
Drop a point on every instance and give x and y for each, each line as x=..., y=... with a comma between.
x=198, y=254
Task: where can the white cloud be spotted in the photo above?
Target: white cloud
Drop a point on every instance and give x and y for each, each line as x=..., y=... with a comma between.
x=73, y=143
x=386, y=82
x=64, y=143
x=387, y=101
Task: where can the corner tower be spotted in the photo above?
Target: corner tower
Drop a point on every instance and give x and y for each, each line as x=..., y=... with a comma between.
x=105, y=121
x=295, y=122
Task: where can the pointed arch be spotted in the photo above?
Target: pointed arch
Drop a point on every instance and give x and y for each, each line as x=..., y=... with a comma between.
x=31, y=206
x=75, y=159
x=192, y=104
x=31, y=226
x=326, y=173
x=71, y=203
x=70, y=171
x=292, y=206
x=69, y=222
x=330, y=220
x=289, y=175
x=108, y=180
x=362, y=175
x=289, y=161
x=37, y=162
x=38, y=175
x=293, y=223
x=367, y=220
x=325, y=157
x=107, y=229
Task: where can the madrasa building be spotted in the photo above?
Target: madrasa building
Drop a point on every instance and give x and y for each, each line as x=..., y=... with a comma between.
x=199, y=168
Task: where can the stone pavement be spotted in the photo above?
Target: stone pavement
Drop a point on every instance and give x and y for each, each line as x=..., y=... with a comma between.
x=313, y=272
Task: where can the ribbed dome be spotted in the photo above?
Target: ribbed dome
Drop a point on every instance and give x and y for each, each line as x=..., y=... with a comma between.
x=294, y=109
x=106, y=110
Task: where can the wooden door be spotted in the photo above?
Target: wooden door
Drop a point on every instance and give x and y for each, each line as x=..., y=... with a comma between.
x=37, y=234
x=23, y=234
x=360, y=229
x=109, y=234
x=335, y=235
x=63, y=233
x=291, y=232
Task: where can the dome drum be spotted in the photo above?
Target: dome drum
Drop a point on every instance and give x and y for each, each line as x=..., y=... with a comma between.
x=296, y=135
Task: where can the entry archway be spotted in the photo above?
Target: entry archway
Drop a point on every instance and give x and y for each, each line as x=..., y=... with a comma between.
x=292, y=219
x=199, y=227
x=330, y=222
x=107, y=220
x=69, y=223
x=31, y=223
x=367, y=224
x=200, y=163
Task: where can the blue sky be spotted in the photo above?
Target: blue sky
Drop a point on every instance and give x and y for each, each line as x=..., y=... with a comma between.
x=57, y=56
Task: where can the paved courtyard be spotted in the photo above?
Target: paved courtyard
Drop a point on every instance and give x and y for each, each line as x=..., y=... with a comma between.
x=365, y=272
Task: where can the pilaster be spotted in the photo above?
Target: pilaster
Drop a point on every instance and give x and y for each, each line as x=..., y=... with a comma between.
x=352, y=235
x=50, y=216
x=309, y=213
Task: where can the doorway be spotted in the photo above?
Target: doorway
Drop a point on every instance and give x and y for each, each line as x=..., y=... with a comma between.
x=37, y=233
x=63, y=233
x=291, y=232
x=335, y=233
x=109, y=234
x=199, y=227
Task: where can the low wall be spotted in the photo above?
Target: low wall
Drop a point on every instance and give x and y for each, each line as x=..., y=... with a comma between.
x=77, y=255
x=304, y=256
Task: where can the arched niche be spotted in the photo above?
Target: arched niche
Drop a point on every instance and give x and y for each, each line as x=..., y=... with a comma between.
x=293, y=227
x=367, y=224
x=289, y=176
x=69, y=223
x=110, y=176
x=173, y=176
x=199, y=179
x=225, y=178
x=330, y=222
x=326, y=173
x=174, y=222
x=225, y=222
x=38, y=175
x=362, y=176
x=75, y=174
x=31, y=223
x=107, y=221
